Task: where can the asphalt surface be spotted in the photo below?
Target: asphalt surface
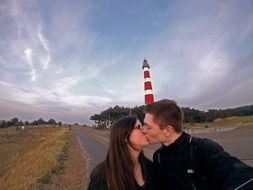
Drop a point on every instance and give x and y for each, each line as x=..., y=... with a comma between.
x=94, y=150
x=238, y=143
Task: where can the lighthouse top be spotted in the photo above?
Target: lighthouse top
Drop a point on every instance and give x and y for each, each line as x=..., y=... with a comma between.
x=145, y=64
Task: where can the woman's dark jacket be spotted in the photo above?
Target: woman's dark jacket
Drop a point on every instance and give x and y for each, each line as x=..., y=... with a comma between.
x=195, y=163
x=98, y=182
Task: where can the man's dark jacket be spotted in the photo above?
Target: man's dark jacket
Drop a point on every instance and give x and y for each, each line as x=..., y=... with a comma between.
x=195, y=163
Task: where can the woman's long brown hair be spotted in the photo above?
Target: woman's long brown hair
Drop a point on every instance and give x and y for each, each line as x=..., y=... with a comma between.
x=118, y=165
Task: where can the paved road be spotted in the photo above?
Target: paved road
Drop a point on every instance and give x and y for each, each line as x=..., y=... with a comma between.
x=241, y=148
x=238, y=143
x=95, y=150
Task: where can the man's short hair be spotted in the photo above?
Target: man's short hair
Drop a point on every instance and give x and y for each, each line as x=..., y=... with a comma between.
x=166, y=112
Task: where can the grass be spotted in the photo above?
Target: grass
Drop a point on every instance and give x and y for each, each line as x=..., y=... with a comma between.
x=29, y=158
x=73, y=175
x=242, y=122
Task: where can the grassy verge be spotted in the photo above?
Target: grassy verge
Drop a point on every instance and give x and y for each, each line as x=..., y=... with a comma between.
x=72, y=176
x=241, y=122
x=29, y=158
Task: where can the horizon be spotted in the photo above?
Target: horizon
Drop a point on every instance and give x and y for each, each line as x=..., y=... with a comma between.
x=69, y=60
x=91, y=122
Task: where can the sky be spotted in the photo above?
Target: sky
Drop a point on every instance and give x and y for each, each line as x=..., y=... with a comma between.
x=68, y=60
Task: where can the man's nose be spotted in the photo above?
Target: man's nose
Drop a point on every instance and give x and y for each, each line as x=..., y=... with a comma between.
x=144, y=130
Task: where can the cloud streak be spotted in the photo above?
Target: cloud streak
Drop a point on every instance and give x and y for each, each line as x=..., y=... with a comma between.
x=45, y=60
x=28, y=56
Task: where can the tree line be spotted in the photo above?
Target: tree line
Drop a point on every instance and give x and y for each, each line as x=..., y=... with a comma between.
x=17, y=122
x=191, y=115
x=112, y=114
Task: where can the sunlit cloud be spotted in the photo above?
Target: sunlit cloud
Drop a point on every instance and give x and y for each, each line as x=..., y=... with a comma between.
x=28, y=56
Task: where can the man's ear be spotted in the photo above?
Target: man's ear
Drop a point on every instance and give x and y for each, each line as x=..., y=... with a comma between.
x=168, y=130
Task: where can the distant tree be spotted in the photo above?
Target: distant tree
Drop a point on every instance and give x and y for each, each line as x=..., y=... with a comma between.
x=59, y=123
x=211, y=115
x=41, y=121
x=191, y=115
x=26, y=123
x=138, y=111
x=14, y=121
x=51, y=122
x=21, y=123
x=3, y=124
x=34, y=122
x=9, y=124
x=96, y=118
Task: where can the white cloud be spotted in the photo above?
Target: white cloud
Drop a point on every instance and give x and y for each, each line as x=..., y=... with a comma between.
x=47, y=97
x=29, y=58
x=85, y=101
x=59, y=71
x=43, y=41
x=63, y=84
x=28, y=54
x=45, y=60
x=14, y=92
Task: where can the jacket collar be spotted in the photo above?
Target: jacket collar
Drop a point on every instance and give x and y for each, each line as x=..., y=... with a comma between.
x=180, y=140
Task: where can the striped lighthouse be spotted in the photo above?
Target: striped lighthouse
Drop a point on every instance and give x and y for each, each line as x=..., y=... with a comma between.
x=149, y=97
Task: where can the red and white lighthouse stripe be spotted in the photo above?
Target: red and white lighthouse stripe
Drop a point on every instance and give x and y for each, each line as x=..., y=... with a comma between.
x=149, y=97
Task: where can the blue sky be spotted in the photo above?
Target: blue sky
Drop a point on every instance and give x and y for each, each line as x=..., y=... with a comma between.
x=70, y=59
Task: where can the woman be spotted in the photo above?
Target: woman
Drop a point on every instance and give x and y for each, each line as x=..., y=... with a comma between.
x=125, y=166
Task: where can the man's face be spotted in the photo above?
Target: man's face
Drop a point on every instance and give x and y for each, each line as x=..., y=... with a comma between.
x=152, y=130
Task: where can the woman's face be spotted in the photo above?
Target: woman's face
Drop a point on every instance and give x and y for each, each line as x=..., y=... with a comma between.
x=137, y=138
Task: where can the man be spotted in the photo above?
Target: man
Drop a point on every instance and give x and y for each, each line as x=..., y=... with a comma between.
x=187, y=162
